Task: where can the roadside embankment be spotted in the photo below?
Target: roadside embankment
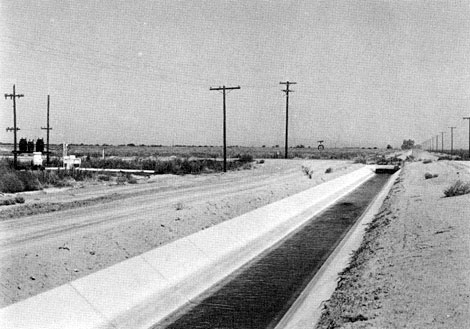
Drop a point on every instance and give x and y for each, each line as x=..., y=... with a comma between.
x=412, y=269
x=142, y=290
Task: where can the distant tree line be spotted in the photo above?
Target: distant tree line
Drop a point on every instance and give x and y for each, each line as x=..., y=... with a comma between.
x=407, y=144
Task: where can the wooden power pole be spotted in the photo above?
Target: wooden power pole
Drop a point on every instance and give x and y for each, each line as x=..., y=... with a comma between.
x=468, y=118
x=14, y=96
x=287, y=91
x=452, y=140
x=442, y=141
x=223, y=88
x=48, y=129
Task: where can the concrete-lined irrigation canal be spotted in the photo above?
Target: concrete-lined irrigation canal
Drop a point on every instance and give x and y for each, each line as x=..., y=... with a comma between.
x=261, y=292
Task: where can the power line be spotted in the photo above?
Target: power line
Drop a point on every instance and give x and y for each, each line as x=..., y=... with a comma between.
x=14, y=96
x=287, y=91
x=224, y=89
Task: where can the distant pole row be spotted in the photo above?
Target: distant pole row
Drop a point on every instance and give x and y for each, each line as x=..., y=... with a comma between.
x=433, y=146
x=14, y=96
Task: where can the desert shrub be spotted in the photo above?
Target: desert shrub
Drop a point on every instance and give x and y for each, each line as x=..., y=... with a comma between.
x=429, y=175
x=360, y=159
x=179, y=206
x=427, y=161
x=196, y=167
x=104, y=177
x=246, y=166
x=328, y=170
x=10, y=183
x=6, y=202
x=444, y=157
x=58, y=178
x=458, y=188
x=30, y=180
x=11, y=201
x=307, y=171
x=177, y=165
x=244, y=158
x=131, y=179
x=79, y=175
x=121, y=179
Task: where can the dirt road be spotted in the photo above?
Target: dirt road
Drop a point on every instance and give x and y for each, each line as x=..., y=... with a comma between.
x=42, y=251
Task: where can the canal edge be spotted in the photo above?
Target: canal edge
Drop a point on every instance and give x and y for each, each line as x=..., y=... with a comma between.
x=306, y=311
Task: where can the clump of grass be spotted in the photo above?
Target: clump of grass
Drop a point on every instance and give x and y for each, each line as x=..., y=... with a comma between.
x=428, y=175
x=458, y=188
x=307, y=171
x=328, y=170
x=245, y=158
x=131, y=179
x=360, y=159
x=11, y=201
x=179, y=206
x=104, y=178
x=444, y=157
x=121, y=179
x=10, y=183
x=30, y=180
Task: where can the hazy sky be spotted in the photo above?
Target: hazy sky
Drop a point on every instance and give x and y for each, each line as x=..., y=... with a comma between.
x=368, y=72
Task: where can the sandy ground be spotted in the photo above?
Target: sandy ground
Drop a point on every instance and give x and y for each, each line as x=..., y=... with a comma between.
x=108, y=224
x=413, y=268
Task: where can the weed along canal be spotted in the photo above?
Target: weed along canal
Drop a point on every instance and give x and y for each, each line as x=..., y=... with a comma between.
x=261, y=292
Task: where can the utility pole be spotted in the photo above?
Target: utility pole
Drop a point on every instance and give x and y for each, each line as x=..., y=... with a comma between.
x=223, y=88
x=452, y=140
x=442, y=141
x=287, y=91
x=468, y=118
x=48, y=129
x=14, y=96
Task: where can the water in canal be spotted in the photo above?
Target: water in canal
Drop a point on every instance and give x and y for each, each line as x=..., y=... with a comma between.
x=261, y=292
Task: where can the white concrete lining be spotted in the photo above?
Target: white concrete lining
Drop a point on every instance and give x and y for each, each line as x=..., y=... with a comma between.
x=143, y=290
x=307, y=309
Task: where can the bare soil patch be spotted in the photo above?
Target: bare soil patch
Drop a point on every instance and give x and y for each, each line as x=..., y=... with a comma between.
x=412, y=269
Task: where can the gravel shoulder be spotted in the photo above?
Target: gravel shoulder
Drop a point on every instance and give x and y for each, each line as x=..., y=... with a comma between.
x=108, y=224
x=412, y=269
